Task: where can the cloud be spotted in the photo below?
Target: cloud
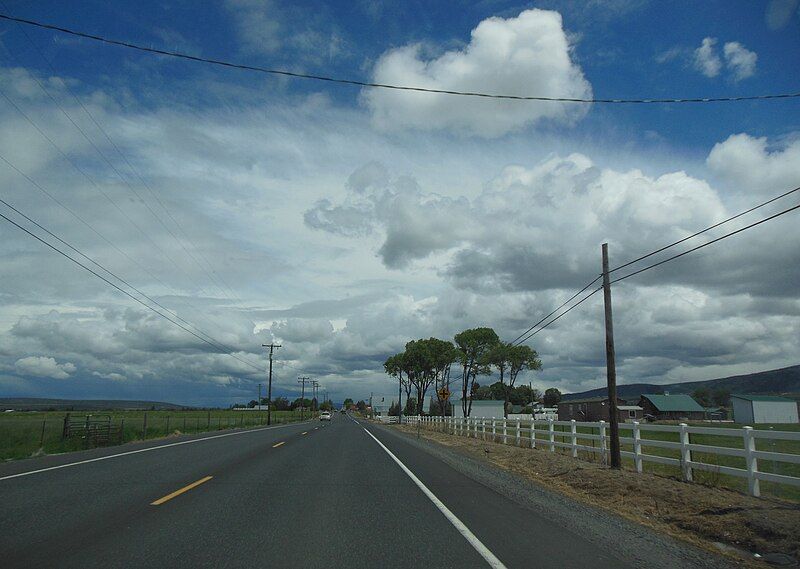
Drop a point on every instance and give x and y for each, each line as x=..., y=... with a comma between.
x=527, y=55
x=740, y=60
x=780, y=12
x=39, y=366
x=750, y=165
x=706, y=59
x=273, y=27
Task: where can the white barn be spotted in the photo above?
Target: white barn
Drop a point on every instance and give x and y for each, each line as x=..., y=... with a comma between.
x=750, y=409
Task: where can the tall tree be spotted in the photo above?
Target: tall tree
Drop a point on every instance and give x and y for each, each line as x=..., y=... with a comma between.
x=473, y=345
x=551, y=397
x=520, y=358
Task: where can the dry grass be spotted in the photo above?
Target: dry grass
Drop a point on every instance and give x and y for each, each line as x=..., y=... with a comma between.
x=696, y=513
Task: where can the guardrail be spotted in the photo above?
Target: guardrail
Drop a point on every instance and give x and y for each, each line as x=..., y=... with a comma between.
x=574, y=439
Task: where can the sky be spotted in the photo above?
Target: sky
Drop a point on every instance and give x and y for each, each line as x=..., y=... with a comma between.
x=343, y=222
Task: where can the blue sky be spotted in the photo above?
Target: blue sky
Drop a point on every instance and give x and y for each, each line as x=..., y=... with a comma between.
x=348, y=221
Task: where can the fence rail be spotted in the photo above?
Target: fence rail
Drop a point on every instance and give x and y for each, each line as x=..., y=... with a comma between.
x=568, y=436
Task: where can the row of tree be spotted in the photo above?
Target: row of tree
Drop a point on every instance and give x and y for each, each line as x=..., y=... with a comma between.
x=283, y=404
x=426, y=364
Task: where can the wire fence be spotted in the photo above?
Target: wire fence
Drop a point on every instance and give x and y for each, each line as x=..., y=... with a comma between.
x=24, y=435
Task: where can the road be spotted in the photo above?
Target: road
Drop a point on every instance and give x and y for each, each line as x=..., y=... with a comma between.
x=339, y=494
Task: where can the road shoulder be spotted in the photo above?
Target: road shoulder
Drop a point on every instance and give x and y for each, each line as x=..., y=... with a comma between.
x=632, y=540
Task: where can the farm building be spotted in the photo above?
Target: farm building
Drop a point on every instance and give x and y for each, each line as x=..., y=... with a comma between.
x=484, y=409
x=672, y=407
x=594, y=409
x=749, y=409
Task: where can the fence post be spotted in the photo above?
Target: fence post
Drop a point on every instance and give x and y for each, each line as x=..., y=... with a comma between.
x=208, y=423
x=41, y=439
x=533, y=433
x=637, y=447
x=519, y=436
x=65, y=430
x=494, y=430
x=686, y=453
x=602, y=431
x=122, y=430
x=505, y=431
x=574, y=432
x=168, y=424
x=550, y=427
x=483, y=429
x=753, y=485
x=144, y=427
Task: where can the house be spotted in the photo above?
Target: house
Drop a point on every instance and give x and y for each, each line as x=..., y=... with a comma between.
x=592, y=409
x=382, y=403
x=749, y=409
x=480, y=409
x=671, y=407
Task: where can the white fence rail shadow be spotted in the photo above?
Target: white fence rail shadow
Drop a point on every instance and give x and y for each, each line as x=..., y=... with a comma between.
x=572, y=435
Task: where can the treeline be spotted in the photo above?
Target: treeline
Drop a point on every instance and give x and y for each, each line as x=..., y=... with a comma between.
x=427, y=365
x=283, y=404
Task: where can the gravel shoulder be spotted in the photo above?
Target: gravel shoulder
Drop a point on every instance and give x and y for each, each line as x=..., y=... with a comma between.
x=657, y=521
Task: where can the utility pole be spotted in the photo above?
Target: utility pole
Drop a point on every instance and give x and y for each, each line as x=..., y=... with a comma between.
x=611, y=366
x=269, y=389
x=302, y=381
x=259, y=396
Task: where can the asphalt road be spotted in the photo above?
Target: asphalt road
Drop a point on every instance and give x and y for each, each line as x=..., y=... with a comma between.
x=303, y=495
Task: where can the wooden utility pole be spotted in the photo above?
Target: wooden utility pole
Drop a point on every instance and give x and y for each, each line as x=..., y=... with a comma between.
x=302, y=381
x=269, y=389
x=611, y=366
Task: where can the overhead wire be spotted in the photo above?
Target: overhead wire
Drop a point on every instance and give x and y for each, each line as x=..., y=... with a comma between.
x=709, y=228
x=667, y=260
x=136, y=173
x=528, y=334
x=214, y=344
x=358, y=83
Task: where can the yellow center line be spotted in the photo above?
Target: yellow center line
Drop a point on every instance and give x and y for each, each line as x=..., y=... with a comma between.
x=279, y=444
x=181, y=491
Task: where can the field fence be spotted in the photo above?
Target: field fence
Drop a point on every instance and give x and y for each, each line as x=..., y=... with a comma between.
x=23, y=435
x=736, y=452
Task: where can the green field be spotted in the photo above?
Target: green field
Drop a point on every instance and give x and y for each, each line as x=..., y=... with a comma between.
x=33, y=433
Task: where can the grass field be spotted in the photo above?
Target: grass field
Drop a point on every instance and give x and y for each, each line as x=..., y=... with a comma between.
x=33, y=433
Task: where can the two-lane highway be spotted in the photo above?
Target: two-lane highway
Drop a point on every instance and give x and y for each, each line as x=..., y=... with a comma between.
x=304, y=495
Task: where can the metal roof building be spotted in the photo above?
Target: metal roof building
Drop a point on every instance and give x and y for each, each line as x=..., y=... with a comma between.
x=749, y=409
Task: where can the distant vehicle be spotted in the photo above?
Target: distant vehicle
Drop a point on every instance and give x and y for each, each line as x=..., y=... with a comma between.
x=342, y=410
x=325, y=416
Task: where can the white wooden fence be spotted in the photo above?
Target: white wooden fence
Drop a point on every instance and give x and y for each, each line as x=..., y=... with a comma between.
x=545, y=434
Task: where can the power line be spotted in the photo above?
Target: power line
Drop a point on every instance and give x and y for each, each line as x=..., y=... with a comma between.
x=647, y=268
x=530, y=335
x=514, y=341
x=581, y=301
x=358, y=83
x=86, y=223
x=108, y=271
x=213, y=344
x=709, y=228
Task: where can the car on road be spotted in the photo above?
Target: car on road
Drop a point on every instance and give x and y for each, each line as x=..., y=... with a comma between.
x=325, y=416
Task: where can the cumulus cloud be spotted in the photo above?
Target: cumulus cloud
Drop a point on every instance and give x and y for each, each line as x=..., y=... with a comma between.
x=41, y=366
x=527, y=55
x=706, y=59
x=750, y=164
x=740, y=60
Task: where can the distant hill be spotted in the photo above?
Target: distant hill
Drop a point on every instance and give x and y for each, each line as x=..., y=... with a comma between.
x=39, y=404
x=784, y=381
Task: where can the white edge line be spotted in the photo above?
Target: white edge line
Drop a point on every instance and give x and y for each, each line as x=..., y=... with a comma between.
x=458, y=524
x=158, y=447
